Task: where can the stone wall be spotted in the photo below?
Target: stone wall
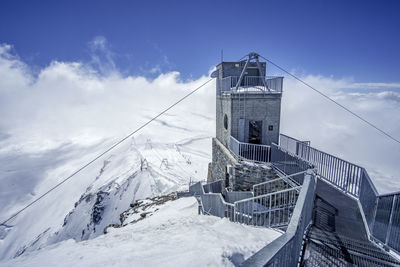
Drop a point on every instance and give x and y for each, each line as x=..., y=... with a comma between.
x=257, y=107
x=221, y=158
x=244, y=175
x=248, y=174
x=224, y=107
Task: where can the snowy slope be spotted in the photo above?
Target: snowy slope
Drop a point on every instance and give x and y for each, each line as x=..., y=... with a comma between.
x=162, y=159
x=174, y=236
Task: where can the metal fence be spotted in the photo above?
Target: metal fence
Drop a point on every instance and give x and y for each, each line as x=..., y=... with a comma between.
x=214, y=187
x=234, y=196
x=368, y=199
x=343, y=174
x=214, y=204
x=270, y=186
x=288, y=164
x=380, y=212
x=291, y=144
x=286, y=249
x=387, y=221
x=275, y=185
x=196, y=189
x=251, y=84
x=270, y=210
x=252, y=152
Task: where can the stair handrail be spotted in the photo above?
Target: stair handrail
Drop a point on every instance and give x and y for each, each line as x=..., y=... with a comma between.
x=261, y=210
x=285, y=178
x=372, y=206
x=286, y=249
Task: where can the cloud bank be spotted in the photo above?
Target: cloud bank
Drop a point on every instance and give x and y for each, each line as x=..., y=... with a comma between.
x=82, y=104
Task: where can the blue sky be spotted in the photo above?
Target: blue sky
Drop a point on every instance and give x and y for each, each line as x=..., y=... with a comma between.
x=357, y=39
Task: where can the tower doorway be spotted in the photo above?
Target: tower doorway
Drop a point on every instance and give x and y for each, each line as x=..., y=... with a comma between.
x=255, y=132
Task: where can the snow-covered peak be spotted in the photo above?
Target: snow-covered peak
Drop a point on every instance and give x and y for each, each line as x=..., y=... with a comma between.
x=155, y=162
x=174, y=235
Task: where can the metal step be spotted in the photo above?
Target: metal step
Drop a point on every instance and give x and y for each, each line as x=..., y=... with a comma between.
x=320, y=254
x=324, y=248
x=367, y=248
x=324, y=215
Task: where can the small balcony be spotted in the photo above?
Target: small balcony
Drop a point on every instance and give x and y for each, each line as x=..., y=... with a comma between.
x=251, y=152
x=250, y=84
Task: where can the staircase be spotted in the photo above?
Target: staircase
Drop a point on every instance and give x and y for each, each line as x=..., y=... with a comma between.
x=269, y=204
x=337, y=237
x=324, y=248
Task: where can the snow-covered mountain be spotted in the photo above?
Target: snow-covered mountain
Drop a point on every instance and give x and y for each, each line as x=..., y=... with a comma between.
x=172, y=234
x=163, y=159
x=104, y=215
x=56, y=119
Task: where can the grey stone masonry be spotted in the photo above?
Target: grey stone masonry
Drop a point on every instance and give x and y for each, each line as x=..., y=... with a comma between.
x=248, y=174
x=256, y=107
x=250, y=115
x=235, y=109
x=221, y=158
x=243, y=175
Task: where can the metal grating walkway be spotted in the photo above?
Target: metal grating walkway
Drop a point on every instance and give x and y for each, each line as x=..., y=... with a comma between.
x=325, y=248
x=337, y=237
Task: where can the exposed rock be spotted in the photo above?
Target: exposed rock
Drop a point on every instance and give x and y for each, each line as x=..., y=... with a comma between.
x=141, y=209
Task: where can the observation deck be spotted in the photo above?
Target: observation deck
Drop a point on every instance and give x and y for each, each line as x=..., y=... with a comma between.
x=250, y=85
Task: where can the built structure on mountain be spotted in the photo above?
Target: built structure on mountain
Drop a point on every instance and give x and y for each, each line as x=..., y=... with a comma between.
x=329, y=208
x=248, y=107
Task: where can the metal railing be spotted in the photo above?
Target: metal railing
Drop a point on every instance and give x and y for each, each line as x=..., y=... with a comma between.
x=381, y=213
x=234, y=196
x=286, y=249
x=288, y=164
x=270, y=210
x=252, y=152
x=368, y=199
x=214, y=204
x=196, y=189
x=270, y=186
x=291, y=208
x=343, y=174
x=275, y=184
x=251, y=84
x=386, y=227
x=214, y=187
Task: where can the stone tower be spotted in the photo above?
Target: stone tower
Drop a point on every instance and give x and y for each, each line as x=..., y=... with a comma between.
x=248, y=109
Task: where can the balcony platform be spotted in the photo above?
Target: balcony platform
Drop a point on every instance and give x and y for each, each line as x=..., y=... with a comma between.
x=250, y=85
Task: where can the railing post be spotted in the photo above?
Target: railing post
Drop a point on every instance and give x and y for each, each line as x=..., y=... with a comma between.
x=252, y=212
x=374, y=216
x=390, y=220
x=269, y=211
x=234, y=213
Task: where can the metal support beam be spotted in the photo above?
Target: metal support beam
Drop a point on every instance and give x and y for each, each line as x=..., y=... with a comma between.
x=242, y=74
x=262, y=74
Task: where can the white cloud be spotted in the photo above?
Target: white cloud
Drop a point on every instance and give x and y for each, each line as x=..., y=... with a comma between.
x=156, y=69
x=71, y=100
x=308, y=116
x=98, y=42
x=70, y=112
x=374, y=85
x=102, y=57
